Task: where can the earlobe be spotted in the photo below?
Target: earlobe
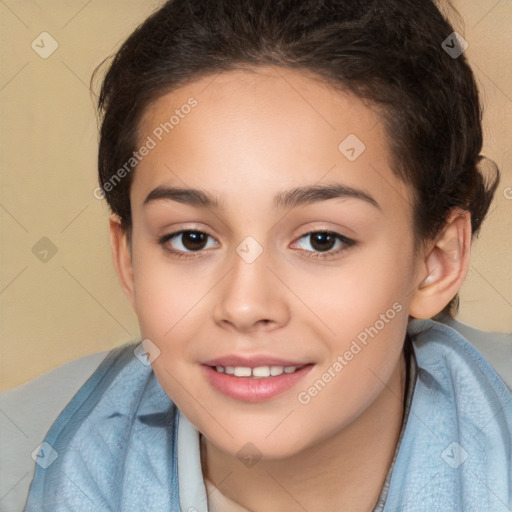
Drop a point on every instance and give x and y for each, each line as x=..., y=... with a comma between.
x=444, y=267
x=122, y=257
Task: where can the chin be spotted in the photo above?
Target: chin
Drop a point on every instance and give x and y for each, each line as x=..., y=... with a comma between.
x=257, y=444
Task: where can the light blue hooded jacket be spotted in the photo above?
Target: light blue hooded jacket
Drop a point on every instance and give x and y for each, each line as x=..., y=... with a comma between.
x=117, y=444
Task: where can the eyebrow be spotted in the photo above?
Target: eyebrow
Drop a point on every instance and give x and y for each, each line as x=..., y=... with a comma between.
x=293, y=198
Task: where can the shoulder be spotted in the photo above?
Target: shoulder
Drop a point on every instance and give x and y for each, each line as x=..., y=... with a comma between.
x=456, y=451
x=496, y=347
x=447, y=354
x=115, y=416
x=462, y=381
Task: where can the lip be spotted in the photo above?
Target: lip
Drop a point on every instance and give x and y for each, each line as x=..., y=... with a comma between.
x=249, y=389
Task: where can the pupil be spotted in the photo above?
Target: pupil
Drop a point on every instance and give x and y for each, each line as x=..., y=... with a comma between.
x=193, y=240
x=323, y=241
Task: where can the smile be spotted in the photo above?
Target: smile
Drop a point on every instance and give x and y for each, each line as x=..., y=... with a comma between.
x=259, y=372
x=255, y=383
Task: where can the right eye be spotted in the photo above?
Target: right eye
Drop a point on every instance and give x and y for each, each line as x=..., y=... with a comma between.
x=182, y=243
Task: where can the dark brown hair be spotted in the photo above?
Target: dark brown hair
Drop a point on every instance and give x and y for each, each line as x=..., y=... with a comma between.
x=387, y=52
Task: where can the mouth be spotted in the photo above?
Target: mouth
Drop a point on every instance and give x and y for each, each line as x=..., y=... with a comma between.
x=255, y=383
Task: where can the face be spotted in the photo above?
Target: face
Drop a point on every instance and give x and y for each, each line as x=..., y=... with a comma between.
x=291, y=267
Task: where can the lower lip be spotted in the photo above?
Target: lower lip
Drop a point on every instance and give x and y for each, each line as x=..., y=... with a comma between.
x=249, y=389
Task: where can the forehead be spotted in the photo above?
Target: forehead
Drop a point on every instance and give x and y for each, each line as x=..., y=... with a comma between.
x=262, y=101
x=260, y=129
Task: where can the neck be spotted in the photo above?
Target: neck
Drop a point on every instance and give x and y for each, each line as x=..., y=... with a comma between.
x=345, y=472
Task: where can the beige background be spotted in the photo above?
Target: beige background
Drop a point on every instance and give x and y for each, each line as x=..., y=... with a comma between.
x=72, y=305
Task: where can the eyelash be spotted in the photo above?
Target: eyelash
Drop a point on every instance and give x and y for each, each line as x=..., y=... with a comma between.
x=347, y=243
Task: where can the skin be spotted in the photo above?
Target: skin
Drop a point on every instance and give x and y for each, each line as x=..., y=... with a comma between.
x=252, y=135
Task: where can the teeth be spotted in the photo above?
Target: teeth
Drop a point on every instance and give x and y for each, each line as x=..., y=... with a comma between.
x=260, y=372
x=241, y=371
x=276, y=370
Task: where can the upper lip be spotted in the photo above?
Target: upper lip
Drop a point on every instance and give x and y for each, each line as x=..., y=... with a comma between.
x=251, y=361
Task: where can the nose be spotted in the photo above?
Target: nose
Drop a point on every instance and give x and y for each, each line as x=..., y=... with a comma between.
x=252, y=297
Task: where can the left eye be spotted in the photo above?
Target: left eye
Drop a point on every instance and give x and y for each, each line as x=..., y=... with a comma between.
x=325, y=241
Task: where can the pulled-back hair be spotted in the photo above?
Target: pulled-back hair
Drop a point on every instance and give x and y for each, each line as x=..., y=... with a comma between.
x=387, y=52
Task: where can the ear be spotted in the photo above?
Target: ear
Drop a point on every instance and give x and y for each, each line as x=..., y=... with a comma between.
x=121, y=254
x=444, y=267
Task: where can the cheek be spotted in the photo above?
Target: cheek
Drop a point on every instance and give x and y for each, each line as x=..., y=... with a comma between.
x=366, y=307
x=351, y=383
x=365, y=286
x=172, y=308
x=157, y=303
x=165, y=292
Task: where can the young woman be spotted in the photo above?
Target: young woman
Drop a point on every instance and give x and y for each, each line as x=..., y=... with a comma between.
x=294, y=189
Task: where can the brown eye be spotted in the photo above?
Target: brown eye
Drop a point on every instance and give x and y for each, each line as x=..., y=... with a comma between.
x=324, y=242
x=185, y=241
